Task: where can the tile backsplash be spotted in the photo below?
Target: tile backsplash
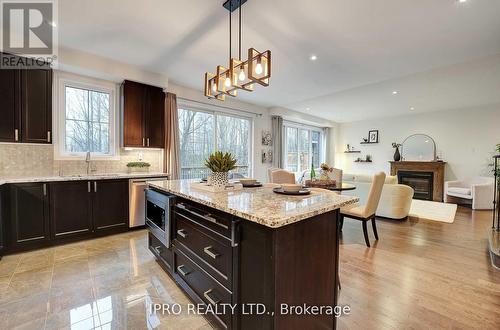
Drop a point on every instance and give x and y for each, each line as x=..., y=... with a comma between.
x=38, y=160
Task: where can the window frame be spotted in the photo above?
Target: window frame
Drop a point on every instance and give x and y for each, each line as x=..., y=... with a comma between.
x=310, y=129
x=64, y=80
x=215, y=111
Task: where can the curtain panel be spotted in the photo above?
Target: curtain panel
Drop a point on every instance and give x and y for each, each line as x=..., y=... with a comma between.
x=277, y=131
x=171, y=161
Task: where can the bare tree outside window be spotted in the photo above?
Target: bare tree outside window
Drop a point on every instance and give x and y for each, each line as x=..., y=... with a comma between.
x=202, y=133
x=87, y=121
x=303, y=147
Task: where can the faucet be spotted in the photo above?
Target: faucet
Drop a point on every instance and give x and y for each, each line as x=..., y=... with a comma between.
x=88, y=161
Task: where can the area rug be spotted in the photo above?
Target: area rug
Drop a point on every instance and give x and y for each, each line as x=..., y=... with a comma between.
x=435, y=211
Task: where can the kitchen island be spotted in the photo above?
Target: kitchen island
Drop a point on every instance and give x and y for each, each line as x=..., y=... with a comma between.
x=254, y=257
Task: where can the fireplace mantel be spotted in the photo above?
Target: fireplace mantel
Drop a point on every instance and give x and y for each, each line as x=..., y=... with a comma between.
x=437, y=168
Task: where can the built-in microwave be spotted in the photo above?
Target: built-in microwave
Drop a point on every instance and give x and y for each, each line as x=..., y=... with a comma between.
x=158, y=214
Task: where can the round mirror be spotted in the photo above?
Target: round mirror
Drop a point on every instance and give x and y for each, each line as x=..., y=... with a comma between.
x=419, y=147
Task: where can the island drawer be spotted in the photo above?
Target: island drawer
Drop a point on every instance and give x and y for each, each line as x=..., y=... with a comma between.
x=160, y=251
x=209, y=249
x=216, y=220
x=205, y=287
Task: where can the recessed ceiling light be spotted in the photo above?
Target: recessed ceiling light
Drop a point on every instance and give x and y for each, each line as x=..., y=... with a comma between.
x=394, y=92
x=308, y=109
x=412, y=108
x=313, y=57
x=462, y=1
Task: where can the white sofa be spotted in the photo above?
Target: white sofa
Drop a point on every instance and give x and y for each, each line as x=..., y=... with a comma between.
x=476, y=191
x=395, y=201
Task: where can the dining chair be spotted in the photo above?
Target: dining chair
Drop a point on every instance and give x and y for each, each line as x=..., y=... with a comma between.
x=282, y=176
x=365, y=213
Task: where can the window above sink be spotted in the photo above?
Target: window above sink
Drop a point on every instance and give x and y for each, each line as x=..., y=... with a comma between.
x=86, y=118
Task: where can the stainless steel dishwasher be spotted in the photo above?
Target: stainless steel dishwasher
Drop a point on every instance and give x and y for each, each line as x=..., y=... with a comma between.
x=137, y=199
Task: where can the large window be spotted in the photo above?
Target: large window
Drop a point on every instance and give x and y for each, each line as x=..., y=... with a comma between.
x=87, y=121
x=86, y=117
x=303, y=147
x=202, y=133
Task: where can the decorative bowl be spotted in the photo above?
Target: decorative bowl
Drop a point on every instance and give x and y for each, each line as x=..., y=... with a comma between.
x=288, y=187
x=248, y=181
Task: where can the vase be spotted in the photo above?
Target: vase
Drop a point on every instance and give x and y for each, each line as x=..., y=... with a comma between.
x=220, y=179
x=324, y=175
x=397, y=155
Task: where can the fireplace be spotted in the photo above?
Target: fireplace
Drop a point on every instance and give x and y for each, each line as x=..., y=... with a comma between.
x=421, y=182
x=418, y=174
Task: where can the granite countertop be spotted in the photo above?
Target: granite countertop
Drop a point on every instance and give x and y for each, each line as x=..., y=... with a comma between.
x=97, y=176
x=260, y=205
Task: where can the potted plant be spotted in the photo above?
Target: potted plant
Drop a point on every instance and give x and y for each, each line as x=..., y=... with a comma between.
x=220, y=164
x=138, y=167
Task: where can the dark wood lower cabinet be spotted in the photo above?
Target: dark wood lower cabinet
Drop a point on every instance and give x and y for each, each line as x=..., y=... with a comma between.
x=70, y=208
x=29, y=214
x=36, y=215
x=110, y=204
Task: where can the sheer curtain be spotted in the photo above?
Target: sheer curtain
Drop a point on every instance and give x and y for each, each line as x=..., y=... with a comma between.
x=277, y=128
x=172, y=154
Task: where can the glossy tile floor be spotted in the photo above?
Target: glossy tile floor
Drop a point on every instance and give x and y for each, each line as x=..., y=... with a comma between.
x=106, y=283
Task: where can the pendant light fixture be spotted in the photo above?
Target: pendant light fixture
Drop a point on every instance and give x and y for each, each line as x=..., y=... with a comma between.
x=240, y=74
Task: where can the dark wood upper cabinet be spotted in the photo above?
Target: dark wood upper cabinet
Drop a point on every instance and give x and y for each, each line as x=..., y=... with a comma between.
x=70, y=208
x=9, y=105
x=143, y=108
x=110, y=204
x=26, y=105
x=36, y=106
x=155, y=120
x=134, y=96
x=29, y=214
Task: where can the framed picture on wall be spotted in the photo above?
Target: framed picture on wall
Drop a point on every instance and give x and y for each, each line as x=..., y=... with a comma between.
x=373, y=136
x=267, y=138
x=267, y=156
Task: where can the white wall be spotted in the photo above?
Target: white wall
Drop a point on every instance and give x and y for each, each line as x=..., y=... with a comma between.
x=465, y=139
x=108, y=69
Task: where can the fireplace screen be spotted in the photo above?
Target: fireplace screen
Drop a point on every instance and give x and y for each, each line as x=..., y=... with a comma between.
x=421, y=182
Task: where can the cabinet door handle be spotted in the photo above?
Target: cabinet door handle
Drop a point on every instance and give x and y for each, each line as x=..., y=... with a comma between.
x=143, y=142
x=182, y=233
x=95, y=186
x=206, y=294
x=206, y=216
x=88, y=186
x=210, y=253
x=183, y=272
x=45, y=189
x=48, y=136
x=147, y=141
x=157, y=249
x=16, y=134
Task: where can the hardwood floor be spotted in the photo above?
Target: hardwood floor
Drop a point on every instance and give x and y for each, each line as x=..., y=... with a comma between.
x=420, y=275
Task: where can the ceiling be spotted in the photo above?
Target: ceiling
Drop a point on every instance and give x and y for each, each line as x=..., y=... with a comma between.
x=365, y=48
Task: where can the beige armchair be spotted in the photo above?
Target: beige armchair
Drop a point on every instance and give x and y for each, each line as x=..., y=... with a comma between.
x=395, y=201
x=367, y=211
